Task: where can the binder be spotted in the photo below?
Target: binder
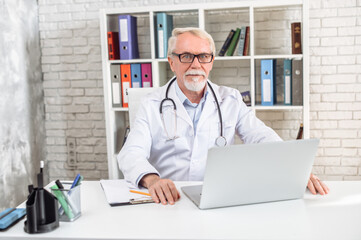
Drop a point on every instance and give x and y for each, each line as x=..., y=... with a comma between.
x=287, y=79
x=242, y=38
x=116, y=85
x=113, y=45
x=164, y=29
x=226, y=43
x=126, y=82
x=136, y=78
x=268, y=82
x=297, y=82
x=128, y=37
x=233, y=44
x=146, y=69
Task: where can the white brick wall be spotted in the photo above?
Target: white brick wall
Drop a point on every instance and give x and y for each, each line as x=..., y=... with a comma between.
x=71, y=64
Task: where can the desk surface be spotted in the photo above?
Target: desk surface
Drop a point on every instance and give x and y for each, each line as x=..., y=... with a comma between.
x=335, y=216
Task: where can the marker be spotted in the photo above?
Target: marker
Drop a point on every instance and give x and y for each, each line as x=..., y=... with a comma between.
x=60, y=196
x=67, y=199
x=143, y=193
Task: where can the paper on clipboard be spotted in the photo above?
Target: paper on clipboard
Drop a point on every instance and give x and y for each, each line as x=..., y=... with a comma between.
x=117, y=193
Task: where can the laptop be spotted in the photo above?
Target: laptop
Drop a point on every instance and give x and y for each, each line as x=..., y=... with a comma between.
x=254, y=173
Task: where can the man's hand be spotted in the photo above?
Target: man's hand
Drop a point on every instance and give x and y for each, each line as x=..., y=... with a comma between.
x=316, y=185
x=161, y=190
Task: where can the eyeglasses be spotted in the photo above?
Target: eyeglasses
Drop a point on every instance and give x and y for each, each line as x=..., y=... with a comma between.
x=189, y=57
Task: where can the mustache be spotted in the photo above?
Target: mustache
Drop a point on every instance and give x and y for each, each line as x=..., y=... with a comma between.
x=195, y=72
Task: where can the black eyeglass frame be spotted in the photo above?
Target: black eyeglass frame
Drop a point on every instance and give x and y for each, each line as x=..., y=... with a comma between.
x=194, y=56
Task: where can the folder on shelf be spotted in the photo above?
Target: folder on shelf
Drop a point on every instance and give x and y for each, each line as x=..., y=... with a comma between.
x=242, y=38
x=287, y=80
x=116, y=85
x=146, y=69
x=126, y=82
x=297, y=82
x=268, y=82
x=226, y=43
x=246, y=42
x=164, y=27
x=113, y=45
x=128, y=37
x=233, y=44
x=136, y=75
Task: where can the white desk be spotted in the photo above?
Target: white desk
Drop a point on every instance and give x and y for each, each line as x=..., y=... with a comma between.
x=335, y=216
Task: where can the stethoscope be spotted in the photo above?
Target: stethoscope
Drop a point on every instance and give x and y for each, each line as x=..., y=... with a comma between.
x=220, y=141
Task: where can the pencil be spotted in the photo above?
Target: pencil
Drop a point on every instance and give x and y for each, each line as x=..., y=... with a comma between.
x=134, y=191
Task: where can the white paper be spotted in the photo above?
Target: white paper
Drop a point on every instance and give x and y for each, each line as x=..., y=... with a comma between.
x=116, y=93
x=123, y=30
x=117, y=191
x=266, y=90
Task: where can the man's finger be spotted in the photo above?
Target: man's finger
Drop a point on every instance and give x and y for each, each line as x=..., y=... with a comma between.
x=173, y=190
x=168, y=194
x=311, y=187
x=160, y=194
x=154, y=195
x=317, y=185
x=324, y=186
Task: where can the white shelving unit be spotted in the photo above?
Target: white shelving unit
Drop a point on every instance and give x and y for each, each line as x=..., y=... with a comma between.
x=204, y=16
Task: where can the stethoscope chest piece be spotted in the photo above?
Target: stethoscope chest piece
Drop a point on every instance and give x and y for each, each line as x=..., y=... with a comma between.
x=221, y=141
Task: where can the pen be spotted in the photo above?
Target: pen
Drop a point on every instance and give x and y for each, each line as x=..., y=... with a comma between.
x=134, y=191
x=67, y=199
x=60, y=196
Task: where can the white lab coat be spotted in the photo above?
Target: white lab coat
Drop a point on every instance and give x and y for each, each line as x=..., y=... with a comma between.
x=147, y=149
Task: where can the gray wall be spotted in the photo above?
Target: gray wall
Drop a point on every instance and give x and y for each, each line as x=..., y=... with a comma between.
x=21, y=100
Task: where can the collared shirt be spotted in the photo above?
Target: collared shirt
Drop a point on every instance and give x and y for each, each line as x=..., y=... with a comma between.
x=194, y=110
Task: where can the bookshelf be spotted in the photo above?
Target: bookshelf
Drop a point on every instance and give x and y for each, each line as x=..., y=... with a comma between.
x=267, y=20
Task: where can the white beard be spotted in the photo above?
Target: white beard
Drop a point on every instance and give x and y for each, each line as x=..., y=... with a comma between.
x=197, y=84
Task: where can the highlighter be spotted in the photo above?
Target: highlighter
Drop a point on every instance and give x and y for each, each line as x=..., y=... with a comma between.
x=59, y=195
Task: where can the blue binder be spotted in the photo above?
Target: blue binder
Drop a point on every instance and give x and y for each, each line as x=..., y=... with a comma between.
x=128, y=37
x=136, y=78
x=287, y=80
x=164, y=31
x=268, y=82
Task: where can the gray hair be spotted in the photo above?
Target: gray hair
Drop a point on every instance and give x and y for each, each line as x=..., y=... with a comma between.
x=195, y=31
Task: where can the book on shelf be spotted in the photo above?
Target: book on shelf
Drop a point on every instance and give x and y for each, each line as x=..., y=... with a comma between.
x=246, y=42
x=226, y=43
x=128, y=37
x=268, y=82
x=113, y=45
x=300, y=132
x=296, y=38
x=136, y=78
x=164, y=27
x=126, y=82
x=297, y=82
x=246, y=96
x=242, y=38
x=146, y=75
x=233, y=44
x=287, y=81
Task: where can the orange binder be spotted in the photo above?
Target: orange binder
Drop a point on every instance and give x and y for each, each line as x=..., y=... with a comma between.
x=126, y=82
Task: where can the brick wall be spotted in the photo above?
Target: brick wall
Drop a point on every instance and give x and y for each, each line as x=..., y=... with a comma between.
x=71, y=62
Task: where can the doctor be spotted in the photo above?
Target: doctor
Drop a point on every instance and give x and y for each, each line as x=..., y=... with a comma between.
x=179, y=122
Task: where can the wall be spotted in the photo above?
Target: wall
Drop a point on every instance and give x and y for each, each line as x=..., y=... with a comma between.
x=22, y=130
x=71, y=65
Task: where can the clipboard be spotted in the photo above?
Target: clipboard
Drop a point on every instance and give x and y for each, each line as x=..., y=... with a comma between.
x=117, y=193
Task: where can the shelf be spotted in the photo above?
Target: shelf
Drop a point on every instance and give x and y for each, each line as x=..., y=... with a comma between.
x=130, y=61
x=278, y=56
x=277, y=107
x=220, y=58
x=120, y=109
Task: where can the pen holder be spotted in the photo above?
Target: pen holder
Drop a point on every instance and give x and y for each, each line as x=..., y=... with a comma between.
x=69, y=202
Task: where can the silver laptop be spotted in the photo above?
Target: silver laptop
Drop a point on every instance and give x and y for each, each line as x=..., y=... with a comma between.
x=254, y=173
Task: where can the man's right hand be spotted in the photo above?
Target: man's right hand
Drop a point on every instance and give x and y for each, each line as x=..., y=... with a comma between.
x=161, y=190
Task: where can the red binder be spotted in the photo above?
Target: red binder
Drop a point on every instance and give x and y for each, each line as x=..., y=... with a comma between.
x=113, y=45
x=147, y=75
x=126, y=82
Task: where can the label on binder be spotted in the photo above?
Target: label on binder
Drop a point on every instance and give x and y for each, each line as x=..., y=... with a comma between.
x=123, y=30
x=126, y=85
x=287, y=89
x=116, y=93
x=266, y=90
x=161, y=44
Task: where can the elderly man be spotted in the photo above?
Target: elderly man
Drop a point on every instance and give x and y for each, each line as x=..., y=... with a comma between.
x=179, y=122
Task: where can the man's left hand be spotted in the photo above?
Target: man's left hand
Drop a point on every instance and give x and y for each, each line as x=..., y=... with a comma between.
x=315, y=185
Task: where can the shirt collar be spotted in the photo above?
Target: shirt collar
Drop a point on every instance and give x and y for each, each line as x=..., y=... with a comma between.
x=183, y=98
